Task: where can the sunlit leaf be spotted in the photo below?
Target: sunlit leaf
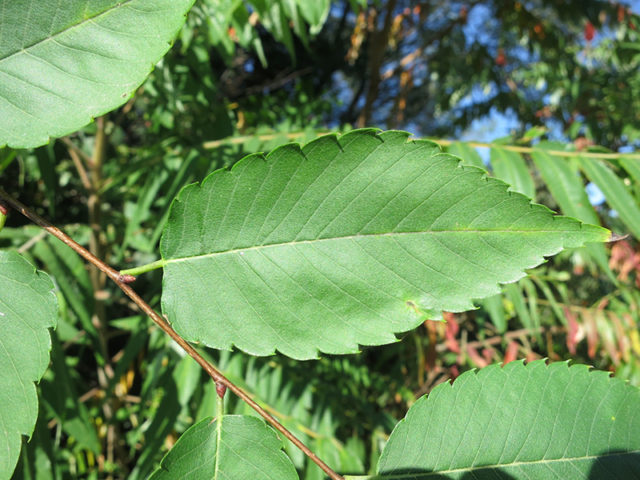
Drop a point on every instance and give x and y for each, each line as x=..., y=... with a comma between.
x=345, y=242
x=64, y=63
x=520, y=422
x=28, y=308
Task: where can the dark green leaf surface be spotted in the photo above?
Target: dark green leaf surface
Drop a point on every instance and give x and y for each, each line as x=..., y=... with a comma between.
x=63, y=63
x=239, y=447
x=533, y=421
x=345, y=242
x=28, y=308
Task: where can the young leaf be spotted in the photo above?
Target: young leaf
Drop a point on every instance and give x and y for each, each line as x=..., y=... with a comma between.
x=28, y=308
x=237, y=447
x=517, y=421
x=63, y=64
x=345, y=242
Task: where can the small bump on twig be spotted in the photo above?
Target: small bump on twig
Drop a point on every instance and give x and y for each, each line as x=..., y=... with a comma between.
x=126, y=278
x=221, y=389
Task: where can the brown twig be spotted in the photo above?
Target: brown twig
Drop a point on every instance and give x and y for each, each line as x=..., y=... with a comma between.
x=212, y=371
x=72, y=146
x=523, y=333
x=77, y=162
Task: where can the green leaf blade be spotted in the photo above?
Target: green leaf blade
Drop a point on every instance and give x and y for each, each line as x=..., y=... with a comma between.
x=63, y=65
x=565, y=183
x=28, y=308
x=345, y=243
x=615, y=191
x=510, y=167
x=467, y=153
x=240, y=447
x=532, y=421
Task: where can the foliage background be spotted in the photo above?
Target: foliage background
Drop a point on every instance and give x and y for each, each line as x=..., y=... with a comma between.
x=248, y=76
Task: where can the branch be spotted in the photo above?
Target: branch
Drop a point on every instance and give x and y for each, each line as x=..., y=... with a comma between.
x=377, y=48
x=233, y=140
x=84, y=178
x=123, y=282
x=75, y=148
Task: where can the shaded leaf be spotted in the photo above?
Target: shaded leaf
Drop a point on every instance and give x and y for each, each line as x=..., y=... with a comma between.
x=162, y=420
x=495, y=309
x=517, y=421
x=238, y=447
x=60, y=397
x=27, y=310
x=63, y=64
x=345, y=242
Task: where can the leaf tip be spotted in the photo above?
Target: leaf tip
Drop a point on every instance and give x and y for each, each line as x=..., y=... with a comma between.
x=615, y=237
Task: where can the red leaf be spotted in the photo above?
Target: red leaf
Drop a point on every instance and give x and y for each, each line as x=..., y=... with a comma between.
x=592, y=333
x=621, y=13
x=512, y=352
x=589, y=31
x=573, y=330
x=475, y=357
x=452, y=329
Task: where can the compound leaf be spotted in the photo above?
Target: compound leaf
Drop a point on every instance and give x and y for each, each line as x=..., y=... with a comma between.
x=239, y=446
x=63, y=63
x=517, y=421
x=345, y=242
x=28, y=308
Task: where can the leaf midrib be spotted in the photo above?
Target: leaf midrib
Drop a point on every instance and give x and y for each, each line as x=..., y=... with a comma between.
x=419, y=475
x=352, y=237
x=70, y=27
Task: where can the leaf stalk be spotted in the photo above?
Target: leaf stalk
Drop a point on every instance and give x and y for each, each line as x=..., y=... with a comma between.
x=135, y=271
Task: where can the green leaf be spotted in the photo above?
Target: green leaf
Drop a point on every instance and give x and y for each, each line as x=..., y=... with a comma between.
x=565, y=183
x=510, y=167
x=60, y=397
x=632, y=166
x=345, y=242
x=3, y=216
x=315, y=13
x=533, y=133
x=467, y=153
x=518, y=421
x=61, y=65
x=28, y=308
x=615, y=191
x=236, y=447
x=495, y=309
x=162, y=420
